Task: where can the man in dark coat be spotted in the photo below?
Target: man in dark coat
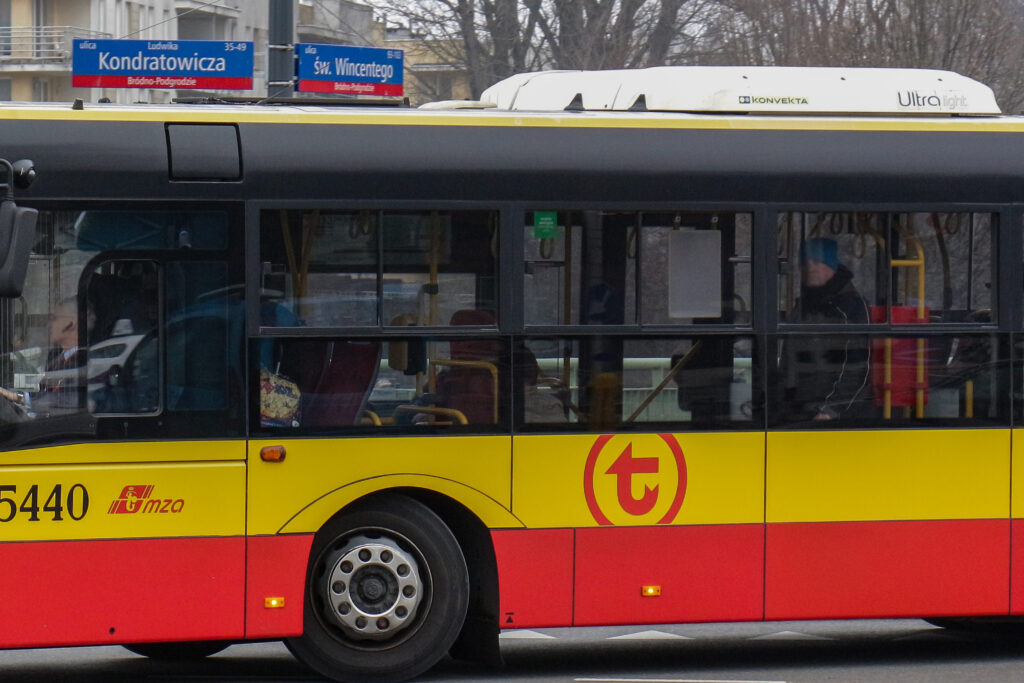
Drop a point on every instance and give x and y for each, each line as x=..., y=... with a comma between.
x=65, y=353
x=827, y=376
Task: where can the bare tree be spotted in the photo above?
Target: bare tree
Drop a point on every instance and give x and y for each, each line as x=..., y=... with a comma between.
x=984, y=40
x=498, y=38
x=493, y=39
x=613, y=34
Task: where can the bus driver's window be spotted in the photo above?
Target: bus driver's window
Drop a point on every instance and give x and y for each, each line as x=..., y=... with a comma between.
x=123, y=358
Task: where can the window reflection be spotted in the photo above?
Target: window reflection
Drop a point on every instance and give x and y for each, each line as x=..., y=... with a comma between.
x=377, y=268
x=413, y=384
x=889, y=380
x=592, y=383
x=630, y=267
x=424, y=385
x=906, y=267
x=93, y=329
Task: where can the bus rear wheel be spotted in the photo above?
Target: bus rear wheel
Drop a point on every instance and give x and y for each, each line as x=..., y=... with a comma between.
x=386, y=593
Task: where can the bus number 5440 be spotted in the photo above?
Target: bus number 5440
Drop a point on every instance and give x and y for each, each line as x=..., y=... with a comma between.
x=75, y=503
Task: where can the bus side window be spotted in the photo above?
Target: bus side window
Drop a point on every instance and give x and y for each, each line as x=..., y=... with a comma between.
x=678, y=383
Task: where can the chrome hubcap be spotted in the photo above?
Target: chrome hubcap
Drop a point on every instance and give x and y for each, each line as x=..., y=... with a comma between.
x=373, y=588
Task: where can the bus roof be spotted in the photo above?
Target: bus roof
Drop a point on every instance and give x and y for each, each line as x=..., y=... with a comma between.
x=761, y=90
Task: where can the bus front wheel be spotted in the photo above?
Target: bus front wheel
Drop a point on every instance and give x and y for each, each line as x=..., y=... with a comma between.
x=386, y=593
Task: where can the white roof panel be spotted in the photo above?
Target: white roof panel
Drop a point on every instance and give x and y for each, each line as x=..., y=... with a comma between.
x=767, y=90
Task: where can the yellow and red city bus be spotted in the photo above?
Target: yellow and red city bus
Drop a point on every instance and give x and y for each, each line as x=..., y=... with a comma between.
x=381, y=382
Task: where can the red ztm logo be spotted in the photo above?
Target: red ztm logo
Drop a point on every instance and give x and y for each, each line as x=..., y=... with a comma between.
x=622, y=487
x=624, y=468
x=137, y=499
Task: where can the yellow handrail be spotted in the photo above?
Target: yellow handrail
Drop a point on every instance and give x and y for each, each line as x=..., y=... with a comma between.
x=922, y=316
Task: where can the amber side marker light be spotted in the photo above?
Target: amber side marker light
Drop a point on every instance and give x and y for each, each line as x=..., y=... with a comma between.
x=272, y=453
x=650, y=591
x=273, y=603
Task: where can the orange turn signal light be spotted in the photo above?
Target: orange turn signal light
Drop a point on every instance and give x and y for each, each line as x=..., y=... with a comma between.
x=272, y=453
x=273, y=603
x=650, y=591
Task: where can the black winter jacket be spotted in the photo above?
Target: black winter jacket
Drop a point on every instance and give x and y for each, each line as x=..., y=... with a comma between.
x=829, y=374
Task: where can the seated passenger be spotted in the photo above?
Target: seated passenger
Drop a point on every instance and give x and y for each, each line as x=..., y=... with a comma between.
x=827, y=376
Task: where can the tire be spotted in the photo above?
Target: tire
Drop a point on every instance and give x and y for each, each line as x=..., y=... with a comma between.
x=988, y=627
x=178, y=651
x=387, y=591
x=949, y=623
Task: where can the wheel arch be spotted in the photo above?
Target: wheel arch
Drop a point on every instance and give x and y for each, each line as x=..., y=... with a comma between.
x=492, y=513
x=478, y=640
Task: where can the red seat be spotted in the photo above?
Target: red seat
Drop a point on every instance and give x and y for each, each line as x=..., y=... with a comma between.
x=336, y=378
x=471, y=389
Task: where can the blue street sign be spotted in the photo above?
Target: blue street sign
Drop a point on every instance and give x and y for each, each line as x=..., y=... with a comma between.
x=211, y=64
x=349, y=69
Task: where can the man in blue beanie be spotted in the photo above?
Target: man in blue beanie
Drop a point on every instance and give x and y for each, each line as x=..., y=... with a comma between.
x=828, y=377
x=819, y=261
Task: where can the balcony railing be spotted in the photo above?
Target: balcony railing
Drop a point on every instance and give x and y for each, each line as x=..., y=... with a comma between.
x=41, y=44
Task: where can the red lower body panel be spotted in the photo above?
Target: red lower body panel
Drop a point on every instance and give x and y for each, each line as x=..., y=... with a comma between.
x=121, y=591
x=704, y=573
x=534, y=577
x=562, y=577
x=1017, y=568
x=836, y=570
x=275, y=568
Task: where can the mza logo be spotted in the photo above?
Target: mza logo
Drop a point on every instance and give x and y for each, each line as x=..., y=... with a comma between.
x=138, y=499
x=635, y=479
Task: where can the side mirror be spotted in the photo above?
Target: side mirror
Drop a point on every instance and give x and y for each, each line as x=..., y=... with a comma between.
x=17, y=230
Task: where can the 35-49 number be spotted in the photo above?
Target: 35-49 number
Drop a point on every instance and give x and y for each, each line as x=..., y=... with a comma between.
x=74, y=503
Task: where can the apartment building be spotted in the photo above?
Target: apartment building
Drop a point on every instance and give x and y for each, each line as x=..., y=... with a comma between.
x=36, y=38
x=433, y=69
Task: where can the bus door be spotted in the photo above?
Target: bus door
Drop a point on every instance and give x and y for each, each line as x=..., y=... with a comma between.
x=638, y=457
x=122, y=481
x=888, y=457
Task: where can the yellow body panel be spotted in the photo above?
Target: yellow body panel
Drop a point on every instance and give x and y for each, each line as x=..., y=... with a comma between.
x=127, y=452
x=724, y=479
x=165, y=500
x=805, y=477
x=1017, y=489
x=320, y=476
x=888, y=475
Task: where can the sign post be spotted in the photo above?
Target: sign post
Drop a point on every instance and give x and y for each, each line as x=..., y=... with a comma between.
x=181, y=64
x=346, y=69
